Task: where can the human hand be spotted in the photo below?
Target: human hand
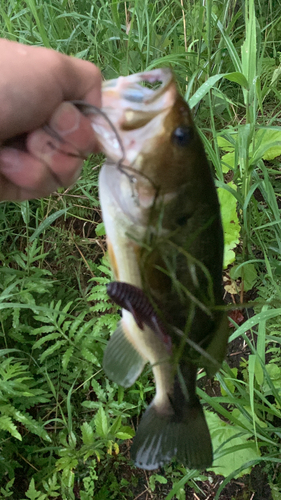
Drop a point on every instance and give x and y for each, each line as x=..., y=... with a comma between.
x=34, y=84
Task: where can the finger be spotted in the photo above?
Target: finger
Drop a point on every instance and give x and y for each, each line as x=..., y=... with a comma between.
x=28, y=73
x=51, y=162
x=64, y=153
x=73, y=127
x=24, y=177
x=60, y=158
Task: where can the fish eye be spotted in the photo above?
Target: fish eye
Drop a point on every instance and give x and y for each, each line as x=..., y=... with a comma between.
x=182, y=136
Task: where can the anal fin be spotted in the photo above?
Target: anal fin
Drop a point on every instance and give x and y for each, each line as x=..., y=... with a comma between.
x=121, y=361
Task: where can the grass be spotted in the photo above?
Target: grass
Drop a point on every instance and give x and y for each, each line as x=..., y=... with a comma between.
x=64, y=427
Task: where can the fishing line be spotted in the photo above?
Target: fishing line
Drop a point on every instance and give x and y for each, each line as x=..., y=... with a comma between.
x=88, y=109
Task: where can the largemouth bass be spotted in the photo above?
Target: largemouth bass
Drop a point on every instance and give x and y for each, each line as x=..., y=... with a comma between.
x=165, y=241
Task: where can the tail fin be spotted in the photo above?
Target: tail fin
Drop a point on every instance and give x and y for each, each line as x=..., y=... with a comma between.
x=161, y=437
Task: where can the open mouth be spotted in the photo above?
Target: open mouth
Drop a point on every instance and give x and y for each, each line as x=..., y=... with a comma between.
x=141, y=88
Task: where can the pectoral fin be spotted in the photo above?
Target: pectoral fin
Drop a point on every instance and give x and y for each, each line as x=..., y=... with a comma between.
x=121, y=362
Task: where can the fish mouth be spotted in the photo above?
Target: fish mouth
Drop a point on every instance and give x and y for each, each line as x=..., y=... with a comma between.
x=129, y=88
x=135, y=107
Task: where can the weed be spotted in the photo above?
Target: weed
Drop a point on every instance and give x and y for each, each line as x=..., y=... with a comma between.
x=62, y=424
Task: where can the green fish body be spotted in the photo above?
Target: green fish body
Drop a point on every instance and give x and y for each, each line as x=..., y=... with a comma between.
x=164, y=236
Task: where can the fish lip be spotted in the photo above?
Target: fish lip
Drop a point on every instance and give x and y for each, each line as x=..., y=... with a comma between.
x=135, y=111
x=129, y=88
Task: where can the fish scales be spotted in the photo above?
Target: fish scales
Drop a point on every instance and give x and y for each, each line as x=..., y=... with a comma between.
x=165, y=239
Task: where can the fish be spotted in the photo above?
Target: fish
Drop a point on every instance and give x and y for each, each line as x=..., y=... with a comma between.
x=165, y=243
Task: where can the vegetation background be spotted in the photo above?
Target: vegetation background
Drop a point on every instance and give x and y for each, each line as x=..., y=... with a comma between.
x=65, y=429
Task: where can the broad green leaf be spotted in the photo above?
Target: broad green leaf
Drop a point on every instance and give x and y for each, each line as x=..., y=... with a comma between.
x=181, y=494
x=87, y=433
x=68, y=476
x=274, y=373
x=221, y=432
x=101, y=423
x=225, y=144
x=228, y=161
x=239, y=78
x=4, y=352
x=231, y=226
x=156, y=478
x=268, y=143
x=161, y=479
x=116, y=425
x=247, y=272
x=115, y=13
x=127, y=430
x=125, y=433
x=242, y=418
x=229, y=384
x=33, y=494
x=100, y=229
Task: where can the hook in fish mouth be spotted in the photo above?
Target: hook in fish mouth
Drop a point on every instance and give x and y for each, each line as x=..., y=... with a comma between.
x=19, y=142
x=87, y=110
x=131, y=92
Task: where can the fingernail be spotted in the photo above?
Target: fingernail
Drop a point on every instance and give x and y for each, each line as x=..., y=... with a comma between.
x=41, y=146
x=66, y=119
x=10, y=161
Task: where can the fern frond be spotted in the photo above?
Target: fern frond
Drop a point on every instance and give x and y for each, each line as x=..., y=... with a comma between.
x=52, y=349
x=25, y=419
x=6, y=424
x=66, y=357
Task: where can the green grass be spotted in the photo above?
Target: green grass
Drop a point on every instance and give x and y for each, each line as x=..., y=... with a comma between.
x=63, y=425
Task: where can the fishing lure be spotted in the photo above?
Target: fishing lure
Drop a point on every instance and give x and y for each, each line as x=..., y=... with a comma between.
x=134, y=300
